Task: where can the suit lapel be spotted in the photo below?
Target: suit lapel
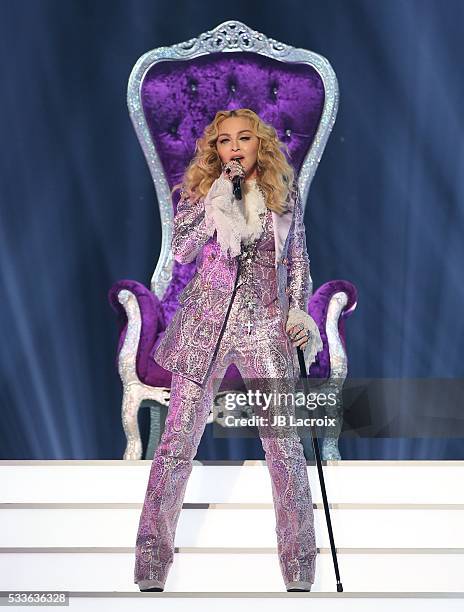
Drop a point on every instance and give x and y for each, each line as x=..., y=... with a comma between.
x=281, y=225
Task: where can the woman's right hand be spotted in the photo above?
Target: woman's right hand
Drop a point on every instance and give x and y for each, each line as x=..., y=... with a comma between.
x=232, y=169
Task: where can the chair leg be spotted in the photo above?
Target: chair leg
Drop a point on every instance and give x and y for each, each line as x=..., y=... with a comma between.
x=158, y=414
x=330, y=450
x=134, y=391
x=134, y=394
x=130, y=407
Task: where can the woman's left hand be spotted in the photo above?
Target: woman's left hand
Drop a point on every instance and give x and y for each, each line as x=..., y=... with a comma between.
x=299, y=322
x=299, y=335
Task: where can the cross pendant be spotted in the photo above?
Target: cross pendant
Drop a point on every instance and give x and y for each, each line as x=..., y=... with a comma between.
x=249, y=325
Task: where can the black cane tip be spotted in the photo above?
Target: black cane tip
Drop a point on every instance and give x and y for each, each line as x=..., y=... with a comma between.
x=339, y=587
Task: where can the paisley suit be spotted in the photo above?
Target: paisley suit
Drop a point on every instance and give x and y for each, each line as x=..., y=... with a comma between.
x=205, y=336
x=191, y=338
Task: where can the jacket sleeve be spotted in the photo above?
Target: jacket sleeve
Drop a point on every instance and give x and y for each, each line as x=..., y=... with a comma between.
x=190, y=231
x=299, y=281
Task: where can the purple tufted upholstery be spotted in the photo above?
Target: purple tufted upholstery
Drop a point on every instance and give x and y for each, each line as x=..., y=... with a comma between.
x=179, y=98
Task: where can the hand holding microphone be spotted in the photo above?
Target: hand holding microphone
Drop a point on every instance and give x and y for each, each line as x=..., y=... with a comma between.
x=223, y=210
x=235, y=172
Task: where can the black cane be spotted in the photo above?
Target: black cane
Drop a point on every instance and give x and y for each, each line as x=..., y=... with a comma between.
x=304, y=374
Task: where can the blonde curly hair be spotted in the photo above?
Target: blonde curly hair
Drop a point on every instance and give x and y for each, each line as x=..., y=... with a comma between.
x=275, y=175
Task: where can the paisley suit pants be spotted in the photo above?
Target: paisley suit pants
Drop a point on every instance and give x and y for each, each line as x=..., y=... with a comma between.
x=265, y=354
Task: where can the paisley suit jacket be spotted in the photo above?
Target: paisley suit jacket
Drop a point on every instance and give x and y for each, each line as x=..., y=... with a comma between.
x=191, y=338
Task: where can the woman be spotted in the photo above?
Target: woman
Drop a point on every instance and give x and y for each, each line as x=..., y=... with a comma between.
x=246, y=304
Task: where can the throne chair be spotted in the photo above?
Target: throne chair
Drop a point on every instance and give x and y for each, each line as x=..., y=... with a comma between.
x=173, y=93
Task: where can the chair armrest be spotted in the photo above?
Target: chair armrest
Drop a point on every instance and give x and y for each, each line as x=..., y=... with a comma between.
x=151, y=314
x=319, y=301
x=318, y=308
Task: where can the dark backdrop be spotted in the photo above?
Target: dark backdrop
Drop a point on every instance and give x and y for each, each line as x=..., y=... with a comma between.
x=78, y=209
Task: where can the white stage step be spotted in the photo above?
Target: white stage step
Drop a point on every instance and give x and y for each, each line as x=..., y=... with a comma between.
x=360, y=482
x=215, y=527
x=241, y=571
x=262, y=602
x=71, y=526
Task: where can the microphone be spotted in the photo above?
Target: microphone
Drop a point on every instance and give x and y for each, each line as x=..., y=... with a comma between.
x=237, y=185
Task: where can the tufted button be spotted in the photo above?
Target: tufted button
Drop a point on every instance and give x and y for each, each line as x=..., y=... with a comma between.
x=288, y=132
x=274, y=90
x=173, y=129
x=193, y=86
x=232, y=87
